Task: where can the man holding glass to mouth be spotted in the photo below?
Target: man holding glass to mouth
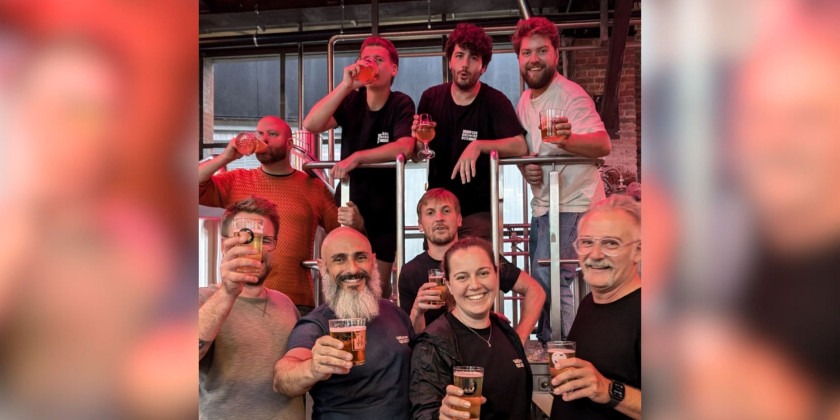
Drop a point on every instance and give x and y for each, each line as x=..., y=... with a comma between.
x=376, y=127
x=329, y=368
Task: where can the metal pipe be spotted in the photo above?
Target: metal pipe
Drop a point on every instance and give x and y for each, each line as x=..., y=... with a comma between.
x=325, y=164
x=524, y=8
x=400, y=221
x=302, y=80
x=556, y=313
x=560, y=160
x=605, y=36
x=494, y=215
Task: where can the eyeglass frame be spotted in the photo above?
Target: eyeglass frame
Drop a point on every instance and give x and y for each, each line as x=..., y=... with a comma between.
x=266, y=247
x=604, y=250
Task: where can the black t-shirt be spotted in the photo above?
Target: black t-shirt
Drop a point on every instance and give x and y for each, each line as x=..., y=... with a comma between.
x=416, y=272
x=373, y=190
x=504, y=371
x=610, y=337
x=377, y=389
x=490, y=116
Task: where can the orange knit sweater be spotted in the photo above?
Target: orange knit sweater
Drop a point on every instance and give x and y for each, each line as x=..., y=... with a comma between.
x=303, y=204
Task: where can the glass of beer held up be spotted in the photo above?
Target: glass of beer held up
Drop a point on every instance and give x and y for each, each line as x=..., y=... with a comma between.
x=368, y=70
x=253, y=230
x=436, y=277
x=557, y=351
x=351, y=332
x=425, y=133
x=548, y=118
x=471, y=380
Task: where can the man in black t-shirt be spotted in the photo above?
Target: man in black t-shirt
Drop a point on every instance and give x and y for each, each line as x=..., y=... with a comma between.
x=439, y=216
x=376, y=127
x=472, y=119
x=604, y=379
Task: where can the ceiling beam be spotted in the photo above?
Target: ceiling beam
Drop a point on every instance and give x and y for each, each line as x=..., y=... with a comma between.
x=615, y=62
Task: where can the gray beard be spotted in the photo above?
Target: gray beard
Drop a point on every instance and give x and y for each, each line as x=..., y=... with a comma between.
x=352, y=303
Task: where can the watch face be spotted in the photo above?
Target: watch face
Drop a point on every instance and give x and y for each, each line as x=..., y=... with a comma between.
x=617, y=391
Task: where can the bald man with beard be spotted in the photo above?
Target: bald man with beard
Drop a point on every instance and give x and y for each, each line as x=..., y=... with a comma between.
x=303, y=202
x=318, y=364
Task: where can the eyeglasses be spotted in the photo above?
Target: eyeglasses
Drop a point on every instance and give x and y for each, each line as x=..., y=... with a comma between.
x=609, y=246
x=268, y=242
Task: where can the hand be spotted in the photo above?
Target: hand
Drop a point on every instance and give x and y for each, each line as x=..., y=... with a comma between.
x=350, y=72
x=233, y=259
x=348, y=215
x=532, y=173
x=451, y=401
x=230, y=153
x=466, y=163
x=562, y=130
x=428, y=297
x=328, y=358
x=582, y=380
x=342, y=169
x=416, y=123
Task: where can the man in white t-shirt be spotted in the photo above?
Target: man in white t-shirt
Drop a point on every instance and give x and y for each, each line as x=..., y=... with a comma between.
x=581, y=133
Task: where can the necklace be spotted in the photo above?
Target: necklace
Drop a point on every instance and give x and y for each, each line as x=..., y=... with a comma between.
x=256, y=305
x=482, y=338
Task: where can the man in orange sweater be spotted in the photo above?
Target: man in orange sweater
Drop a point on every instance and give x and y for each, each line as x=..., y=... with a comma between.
x=303, y=203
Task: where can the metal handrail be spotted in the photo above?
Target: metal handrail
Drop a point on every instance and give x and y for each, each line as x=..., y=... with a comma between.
x=554, y=222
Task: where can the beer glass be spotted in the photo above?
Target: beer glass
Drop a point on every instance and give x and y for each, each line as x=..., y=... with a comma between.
x=425, y=133
x=351, y=332
x=436, y=276
x=368, y=70
x=557, y=351
x=549, y=117
x=248, y=143
x=471, y=380
x=253, y=228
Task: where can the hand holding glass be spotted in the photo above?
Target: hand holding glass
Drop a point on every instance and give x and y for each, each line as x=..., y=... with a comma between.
x=471, y=380
x=368, y=70
x=351, y=332
x=253, y=228
x=557, y=351
x=436, y=277
x=425, y=133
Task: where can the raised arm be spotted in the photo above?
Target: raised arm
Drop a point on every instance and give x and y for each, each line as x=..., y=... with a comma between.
x=208, y=168
x=320, y=117
x=532, y=304
x=583, y=380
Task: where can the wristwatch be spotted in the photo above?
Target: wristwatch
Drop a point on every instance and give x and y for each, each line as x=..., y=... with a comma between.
x=616, y=393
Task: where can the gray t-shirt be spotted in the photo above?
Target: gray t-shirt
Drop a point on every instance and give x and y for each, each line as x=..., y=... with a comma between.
x=236, y=374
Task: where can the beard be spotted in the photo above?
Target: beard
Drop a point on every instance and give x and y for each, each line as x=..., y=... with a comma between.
x=353, y=303
x=271, y=155
x=468, y=84
x=541, y=80
x=443, y=239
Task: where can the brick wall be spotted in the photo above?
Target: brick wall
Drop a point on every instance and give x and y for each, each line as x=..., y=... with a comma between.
x=589, y=68
x=207, y=105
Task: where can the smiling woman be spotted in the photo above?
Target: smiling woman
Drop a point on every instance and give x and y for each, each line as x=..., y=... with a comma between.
x=470, y=335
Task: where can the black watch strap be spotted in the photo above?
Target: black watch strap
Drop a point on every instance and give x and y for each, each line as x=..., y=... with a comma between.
x=616, y=393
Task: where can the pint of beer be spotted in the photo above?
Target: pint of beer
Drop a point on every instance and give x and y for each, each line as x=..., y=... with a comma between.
x=351, y=332
x=436, y=276
x=253, y=230
x=549, y=117
x=471, y=380
x=368, y=70
x=557, y=351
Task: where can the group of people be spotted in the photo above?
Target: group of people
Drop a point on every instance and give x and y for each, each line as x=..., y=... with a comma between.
x=251, y=322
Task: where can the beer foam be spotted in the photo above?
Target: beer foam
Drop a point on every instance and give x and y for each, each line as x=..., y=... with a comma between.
x=348, y=329
x=469, y=374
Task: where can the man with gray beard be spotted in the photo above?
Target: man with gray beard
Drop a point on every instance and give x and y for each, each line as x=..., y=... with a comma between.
x=317, y=363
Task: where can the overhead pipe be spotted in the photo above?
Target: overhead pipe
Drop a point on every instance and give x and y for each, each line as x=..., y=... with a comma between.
x=524, y=8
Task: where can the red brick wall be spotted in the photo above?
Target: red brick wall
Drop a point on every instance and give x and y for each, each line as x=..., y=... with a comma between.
x=588, y=68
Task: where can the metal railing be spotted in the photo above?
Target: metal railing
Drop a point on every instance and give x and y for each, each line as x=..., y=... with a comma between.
x=554, y=225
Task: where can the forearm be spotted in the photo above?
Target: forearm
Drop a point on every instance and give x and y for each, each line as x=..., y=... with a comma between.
x=418, y=320
x=211, y=316
x=293, y=376
x=532, y=305
x=208, y=168
x=631, y=405
x=507, y=147
x=591, y=145
x=320, y=116
x=388, y=152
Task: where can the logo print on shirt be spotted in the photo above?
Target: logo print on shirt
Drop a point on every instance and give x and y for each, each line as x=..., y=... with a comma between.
x=469, y=135
x=383, y=137
x=518, y=363
x=402, y=339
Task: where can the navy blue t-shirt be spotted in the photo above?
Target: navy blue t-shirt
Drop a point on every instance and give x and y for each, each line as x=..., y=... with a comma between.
x=490, y=116
x=416, y=272
x=379, y=388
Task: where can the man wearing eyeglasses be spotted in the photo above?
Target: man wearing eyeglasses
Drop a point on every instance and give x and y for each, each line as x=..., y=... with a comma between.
x=604, y=380
x=244, y=326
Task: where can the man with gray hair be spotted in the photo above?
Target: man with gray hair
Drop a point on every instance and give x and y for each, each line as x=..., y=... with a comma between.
x=319, y=363
x=604, y=379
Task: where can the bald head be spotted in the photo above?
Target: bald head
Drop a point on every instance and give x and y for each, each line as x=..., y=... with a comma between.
x=275, y=123
x=346, y=236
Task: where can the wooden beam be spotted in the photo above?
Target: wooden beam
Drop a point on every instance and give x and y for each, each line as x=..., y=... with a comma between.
x=615, y=62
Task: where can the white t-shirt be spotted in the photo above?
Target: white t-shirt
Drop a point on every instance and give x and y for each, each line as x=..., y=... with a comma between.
x=580, y=185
